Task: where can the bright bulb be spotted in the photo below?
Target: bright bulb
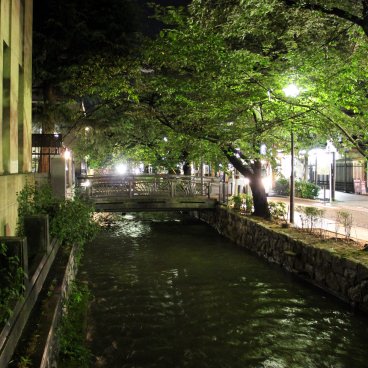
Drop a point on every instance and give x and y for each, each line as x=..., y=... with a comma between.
x=121, y=169
x=291, y=90
x=67, y=154
x=86, y=183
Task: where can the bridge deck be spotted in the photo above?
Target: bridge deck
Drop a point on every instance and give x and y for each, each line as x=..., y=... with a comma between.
x=151, y=193
x=117, y=204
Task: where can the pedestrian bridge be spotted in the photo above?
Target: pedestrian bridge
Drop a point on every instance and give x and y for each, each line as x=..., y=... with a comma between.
x=131, y=193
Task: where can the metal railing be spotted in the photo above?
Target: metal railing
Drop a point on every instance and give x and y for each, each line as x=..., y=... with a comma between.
x=133, y=186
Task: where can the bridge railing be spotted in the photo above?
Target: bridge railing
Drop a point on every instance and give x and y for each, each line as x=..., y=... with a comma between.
x=132, y=186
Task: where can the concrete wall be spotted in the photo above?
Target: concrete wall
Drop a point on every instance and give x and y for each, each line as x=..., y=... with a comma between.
x=341, y=272
x=16, y=104
x=9, y=186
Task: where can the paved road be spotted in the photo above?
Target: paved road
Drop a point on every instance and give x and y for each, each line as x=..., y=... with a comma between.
x=356, y=204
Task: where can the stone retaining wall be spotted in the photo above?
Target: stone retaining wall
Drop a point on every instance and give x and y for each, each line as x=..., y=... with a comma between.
x=339, y=274
x=61, y=295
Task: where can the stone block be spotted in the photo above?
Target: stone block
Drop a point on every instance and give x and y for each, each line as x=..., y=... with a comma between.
x=350, y=264
x=350, y=275
x=338, y=265
x=332, y=282
x=36, y=229
x=362, y=272
x=17, y=246
x=309, y=270
x=344, y=284
x=355, y=293
x=320, y=275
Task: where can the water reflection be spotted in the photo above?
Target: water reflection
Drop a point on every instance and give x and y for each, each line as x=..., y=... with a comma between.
x=172, y=293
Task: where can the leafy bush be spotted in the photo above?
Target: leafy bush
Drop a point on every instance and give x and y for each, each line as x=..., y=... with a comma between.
x=282, y=186
x=11, y=283
x=345, y=219
x=71, y=334
x=70, y=220
x=247, y=200
x=278, y=211
x=304, y=189
x=235, y=201
x=73, y=222
x=34, y=200
x=310, y=217
x=241, y=201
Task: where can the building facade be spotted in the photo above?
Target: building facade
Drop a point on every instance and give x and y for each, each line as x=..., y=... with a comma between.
x=16, y=111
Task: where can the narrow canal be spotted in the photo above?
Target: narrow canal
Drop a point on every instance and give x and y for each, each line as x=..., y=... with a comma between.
x=169, y=292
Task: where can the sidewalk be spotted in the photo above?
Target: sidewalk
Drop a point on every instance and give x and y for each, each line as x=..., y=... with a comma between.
x=355, y=204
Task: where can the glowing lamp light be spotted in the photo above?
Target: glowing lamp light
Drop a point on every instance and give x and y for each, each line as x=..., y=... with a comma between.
x=291, y=90
x=86, y=184
x=121, y=169
x=67, y=154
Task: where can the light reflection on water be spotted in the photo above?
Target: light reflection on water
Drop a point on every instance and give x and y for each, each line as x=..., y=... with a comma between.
x=172, y=293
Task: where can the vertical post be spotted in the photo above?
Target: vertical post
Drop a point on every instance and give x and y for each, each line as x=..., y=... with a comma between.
x=345, y=174
x=330, y=183
x=130, y=187
x=333, y=176
x=224, y=199
x=201, y=173
x=316, y=173
x=173, y=184
x=292, y=189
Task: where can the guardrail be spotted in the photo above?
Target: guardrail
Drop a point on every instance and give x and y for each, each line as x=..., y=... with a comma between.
x=133, y=186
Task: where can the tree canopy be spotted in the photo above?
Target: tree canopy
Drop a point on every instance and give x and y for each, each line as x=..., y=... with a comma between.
x=211, y=85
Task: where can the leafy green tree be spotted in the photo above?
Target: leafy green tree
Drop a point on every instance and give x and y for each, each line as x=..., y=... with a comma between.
x=216, y=75
x=322, y=51
x=68, y=34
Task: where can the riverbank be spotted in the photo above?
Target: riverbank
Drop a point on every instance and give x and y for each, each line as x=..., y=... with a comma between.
x=355, y=204
x=330, y=264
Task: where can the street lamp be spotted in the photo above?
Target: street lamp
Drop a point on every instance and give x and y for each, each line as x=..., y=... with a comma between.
x=291, y=91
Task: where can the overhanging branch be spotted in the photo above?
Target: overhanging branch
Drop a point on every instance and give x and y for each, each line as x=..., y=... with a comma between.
x=340, y=13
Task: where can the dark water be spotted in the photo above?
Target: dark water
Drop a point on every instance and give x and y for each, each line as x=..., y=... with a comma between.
x=176, y=294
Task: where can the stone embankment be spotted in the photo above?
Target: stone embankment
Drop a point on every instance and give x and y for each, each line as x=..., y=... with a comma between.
x=331, y=265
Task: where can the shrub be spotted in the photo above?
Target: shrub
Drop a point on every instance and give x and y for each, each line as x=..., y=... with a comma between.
x=11, y=283
x=72, y=330
x=247, y=202
x=73, y=222
x=304, y=189
x=346, y=220
x=278, y=211
x=34, y=200
x=235, y=201
x=241, y=202
x=310, y=217
x=70, y=220
x=282, y=186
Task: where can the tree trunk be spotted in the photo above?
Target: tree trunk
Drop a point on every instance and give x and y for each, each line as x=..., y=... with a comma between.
x=187, y=169
x=254, y=173
x=259, y=197
x=48, y=127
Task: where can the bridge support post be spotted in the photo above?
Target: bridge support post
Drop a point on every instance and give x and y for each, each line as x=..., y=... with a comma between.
x=172, y=189
x=130, y=189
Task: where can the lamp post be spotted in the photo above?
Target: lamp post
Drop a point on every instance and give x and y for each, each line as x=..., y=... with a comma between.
x=291, y=91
